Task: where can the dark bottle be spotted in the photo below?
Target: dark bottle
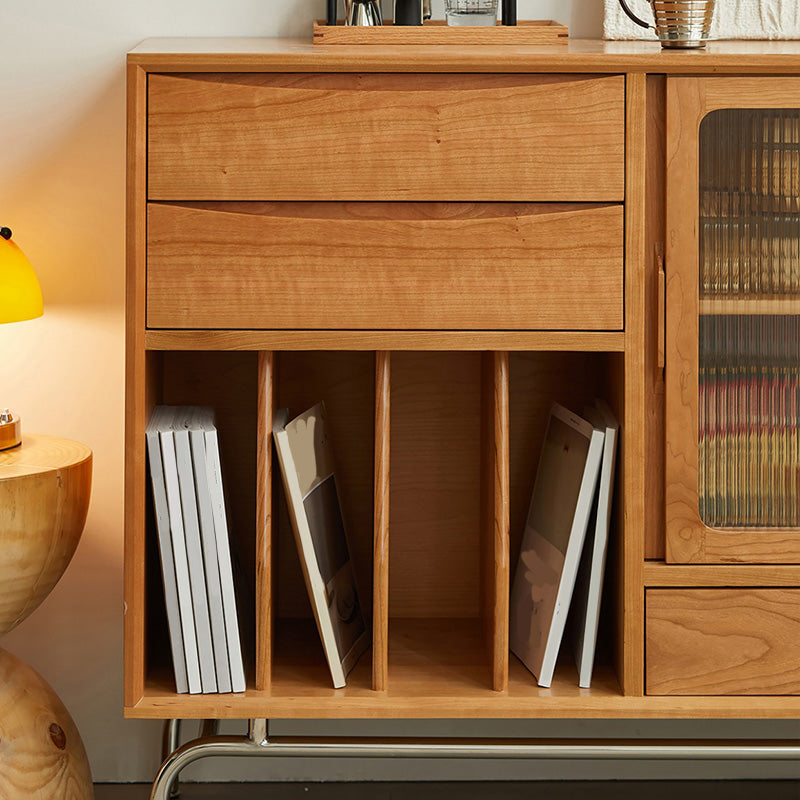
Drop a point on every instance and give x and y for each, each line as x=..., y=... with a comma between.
x=408, y=12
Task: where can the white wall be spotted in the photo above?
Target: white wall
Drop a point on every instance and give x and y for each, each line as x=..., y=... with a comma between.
x=62, y=149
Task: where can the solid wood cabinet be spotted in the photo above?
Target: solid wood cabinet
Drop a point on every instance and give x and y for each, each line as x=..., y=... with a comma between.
x=439, y=244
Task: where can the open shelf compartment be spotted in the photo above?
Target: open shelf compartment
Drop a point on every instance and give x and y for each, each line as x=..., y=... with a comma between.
x=436, y=454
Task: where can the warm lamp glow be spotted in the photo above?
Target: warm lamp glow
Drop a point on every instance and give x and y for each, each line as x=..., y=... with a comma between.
x=20, y=295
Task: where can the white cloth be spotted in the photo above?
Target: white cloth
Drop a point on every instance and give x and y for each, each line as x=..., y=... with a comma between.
x=733, y=19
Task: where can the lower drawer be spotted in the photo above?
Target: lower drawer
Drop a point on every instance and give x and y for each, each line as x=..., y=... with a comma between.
x=723, y=641
x=415, y=266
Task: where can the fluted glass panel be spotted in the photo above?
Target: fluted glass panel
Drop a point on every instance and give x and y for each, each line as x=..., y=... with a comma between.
x=749, y=348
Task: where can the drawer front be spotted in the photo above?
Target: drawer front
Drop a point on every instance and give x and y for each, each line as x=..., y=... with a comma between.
x=384, y=266
x=723, y=641
x=386, y=137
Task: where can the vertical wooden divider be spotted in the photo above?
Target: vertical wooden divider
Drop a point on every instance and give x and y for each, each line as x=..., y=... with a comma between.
x=632, y=458
x=263, y=554
x=495, y=513
x=380, y=563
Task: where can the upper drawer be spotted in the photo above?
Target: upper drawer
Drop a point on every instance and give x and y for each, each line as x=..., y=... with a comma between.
x=386, y=137
x=723, y=641
x=407, y=266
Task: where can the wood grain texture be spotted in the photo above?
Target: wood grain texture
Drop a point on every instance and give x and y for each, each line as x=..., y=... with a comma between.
x=657, y=573
x=45, y=485
x=723, y=641
x=137, y=398
x=435, y=519
x=438, y=672
x=688, y=539
x=437, y=31
x=43, y=755
x=495, y=485
x=632, y=458
x=567, y=341
x=655, y=189
x=263, y=554
x=578, y=55
x=404, y=266
x=385, y=137
x=380, y=557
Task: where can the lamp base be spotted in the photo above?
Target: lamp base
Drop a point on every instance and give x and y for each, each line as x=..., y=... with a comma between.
x=10, y=430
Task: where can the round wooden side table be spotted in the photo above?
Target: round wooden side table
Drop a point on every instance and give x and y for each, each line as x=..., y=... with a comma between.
x=45, y=484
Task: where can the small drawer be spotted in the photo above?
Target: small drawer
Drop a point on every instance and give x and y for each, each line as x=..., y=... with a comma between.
x=723, y=641
x=399, y=266
x=530, y=138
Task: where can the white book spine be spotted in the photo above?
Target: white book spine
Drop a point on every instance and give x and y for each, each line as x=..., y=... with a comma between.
x=210, y=560
x=167, y=560
x=572, y=557
x=214, y=472
x=600, y=549
x=181, y=561
x=194, y=552
x=308, y=559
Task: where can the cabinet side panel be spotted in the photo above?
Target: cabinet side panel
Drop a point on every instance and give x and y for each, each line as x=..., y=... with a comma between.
x=136, y=386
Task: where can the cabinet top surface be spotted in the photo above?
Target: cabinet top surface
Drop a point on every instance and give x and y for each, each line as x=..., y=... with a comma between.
x=579, y=55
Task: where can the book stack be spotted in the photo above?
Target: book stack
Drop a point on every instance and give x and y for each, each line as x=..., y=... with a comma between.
x=191, y=522
x=749, y=401
x=564, y=546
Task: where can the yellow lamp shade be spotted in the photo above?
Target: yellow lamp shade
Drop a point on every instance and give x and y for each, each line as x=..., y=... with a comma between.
x=20, y=295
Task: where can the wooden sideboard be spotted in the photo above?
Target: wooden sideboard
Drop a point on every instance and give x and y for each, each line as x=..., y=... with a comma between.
x=439, y=242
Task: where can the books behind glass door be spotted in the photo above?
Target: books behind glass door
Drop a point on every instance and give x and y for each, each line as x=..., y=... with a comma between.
x=568, y=518
x=194, y=548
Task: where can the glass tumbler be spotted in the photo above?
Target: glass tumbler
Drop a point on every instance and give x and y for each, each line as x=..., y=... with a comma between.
x=471, y=12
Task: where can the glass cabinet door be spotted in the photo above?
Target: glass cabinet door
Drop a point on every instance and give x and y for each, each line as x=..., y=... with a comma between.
x=733, y=325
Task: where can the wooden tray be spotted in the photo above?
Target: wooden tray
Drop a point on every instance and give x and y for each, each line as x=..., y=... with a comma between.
x=541, y=31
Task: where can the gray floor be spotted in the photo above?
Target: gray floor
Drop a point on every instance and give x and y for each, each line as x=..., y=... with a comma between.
x=596, y=790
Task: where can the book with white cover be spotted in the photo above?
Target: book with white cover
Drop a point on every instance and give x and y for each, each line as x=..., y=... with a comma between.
x=204, y=421
x=566, y=480
x=181, y=561
x=194, y=552
x=208, y=538
x=306, y=461
x=167, y=558
x=589, y=586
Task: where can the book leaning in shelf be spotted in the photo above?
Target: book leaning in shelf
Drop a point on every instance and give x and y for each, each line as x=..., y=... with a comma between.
x=558, y=517
x=191, y=523
x=306, y=461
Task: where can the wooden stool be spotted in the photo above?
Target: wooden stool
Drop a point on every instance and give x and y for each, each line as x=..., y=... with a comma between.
x=45, y=485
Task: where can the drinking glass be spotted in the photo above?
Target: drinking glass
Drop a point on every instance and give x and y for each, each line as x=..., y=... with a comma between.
x=471, y=12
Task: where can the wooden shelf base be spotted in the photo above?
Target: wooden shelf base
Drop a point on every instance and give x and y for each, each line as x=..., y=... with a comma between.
x=438, y=669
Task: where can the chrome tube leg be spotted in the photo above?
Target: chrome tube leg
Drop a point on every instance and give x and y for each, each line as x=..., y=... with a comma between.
x=170, y=743
x=172, y=732
x=211, y=747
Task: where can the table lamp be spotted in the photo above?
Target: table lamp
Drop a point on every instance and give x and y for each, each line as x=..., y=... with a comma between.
x=20, y=299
